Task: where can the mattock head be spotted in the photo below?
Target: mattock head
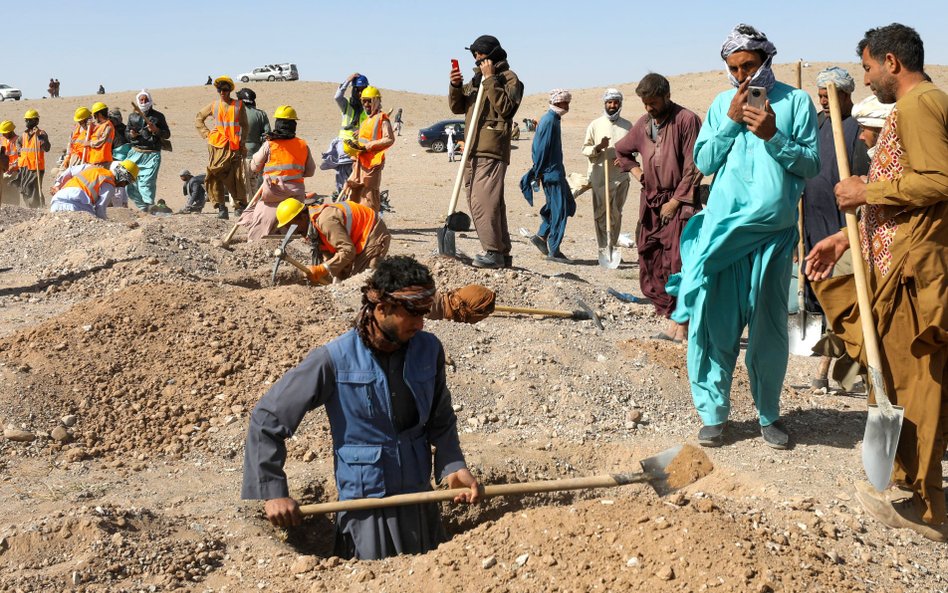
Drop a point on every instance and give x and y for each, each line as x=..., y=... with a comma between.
x=280, y=251
x=587, y=312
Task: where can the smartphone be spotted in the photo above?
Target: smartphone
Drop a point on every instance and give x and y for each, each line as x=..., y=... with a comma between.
x=756, y=96
x=455, y=65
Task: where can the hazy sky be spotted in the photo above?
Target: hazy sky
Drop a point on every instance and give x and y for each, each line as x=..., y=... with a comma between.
x=408, y=45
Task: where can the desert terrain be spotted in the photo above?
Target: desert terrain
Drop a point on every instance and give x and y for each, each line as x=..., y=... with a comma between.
x=132, y=351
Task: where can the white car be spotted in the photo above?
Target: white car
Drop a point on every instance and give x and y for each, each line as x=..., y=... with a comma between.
x=8, y=92
x=270, y=73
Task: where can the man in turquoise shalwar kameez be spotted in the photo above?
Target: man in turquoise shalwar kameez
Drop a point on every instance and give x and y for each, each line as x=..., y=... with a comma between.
x=737, y=253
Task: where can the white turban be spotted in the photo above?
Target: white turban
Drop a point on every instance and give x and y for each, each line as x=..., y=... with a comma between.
x=147, y=104
x=612, y=95
x=870, y=113
x=560, y=96
x=843, y=81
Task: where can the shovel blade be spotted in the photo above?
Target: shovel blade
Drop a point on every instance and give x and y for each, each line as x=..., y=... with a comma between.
x=804, y=330
x=446, y=243
x=879, y=444
x=610, y=258
x=655, y=468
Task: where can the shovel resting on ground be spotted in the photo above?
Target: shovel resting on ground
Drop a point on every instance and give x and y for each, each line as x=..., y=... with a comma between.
x=584, y=312
x=884, y=421
x=609, y=257
x=458, y=220
x=804, y=329
x=653, y=472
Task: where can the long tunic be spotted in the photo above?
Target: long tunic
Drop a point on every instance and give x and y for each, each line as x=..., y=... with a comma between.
x=737, y=253
x=548, y=169
x=260, y=219
x=905, y=241
x=600, y=128
x=669, y=173
x=368, y=533
x=821, y=216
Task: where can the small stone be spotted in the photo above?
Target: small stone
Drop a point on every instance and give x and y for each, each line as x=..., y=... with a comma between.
x=309, y=456
x=60, y=434
x=365, y=576
x=634, y=416
x=68, y=420
x=632, y=562
x=74, y=454
x=17, y=435
x=303, y=564
x=488, y=562
x=522, y=559
x=666, y=573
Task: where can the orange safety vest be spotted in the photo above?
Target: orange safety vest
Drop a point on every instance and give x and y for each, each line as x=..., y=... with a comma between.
x=32, y=155
x=287, y=160
x=358, y=218
x=226, y=130
x=78, y=136
x=90, y=181
x=102, y=154
x=9, y=148
x=371, y=129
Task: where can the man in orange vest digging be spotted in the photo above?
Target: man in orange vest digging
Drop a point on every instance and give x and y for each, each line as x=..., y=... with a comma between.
x=284, y=160
x=103, y=135
x=368, y=150
x=226, y=147
x=34, y=144
x=90, y=188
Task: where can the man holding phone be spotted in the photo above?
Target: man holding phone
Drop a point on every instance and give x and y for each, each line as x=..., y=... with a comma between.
x=489, y=139
x=760, y=142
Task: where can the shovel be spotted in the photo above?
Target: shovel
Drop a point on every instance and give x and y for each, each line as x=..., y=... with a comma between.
x=233, y=230
x=655, y=471
x=609, y=258
x=804, y=329
x=884, y=421
x=446, y=243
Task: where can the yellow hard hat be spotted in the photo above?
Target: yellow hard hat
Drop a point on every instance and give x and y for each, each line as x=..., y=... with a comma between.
x=285, y=112
x=82, y=114
x=31, y=114
x=6, y=126
x=224, y=79
x=370, y=92
x=131, y=167
x=287, y=210
x=99, y=106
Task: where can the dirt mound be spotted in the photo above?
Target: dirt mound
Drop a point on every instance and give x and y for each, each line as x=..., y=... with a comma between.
x=119, y=549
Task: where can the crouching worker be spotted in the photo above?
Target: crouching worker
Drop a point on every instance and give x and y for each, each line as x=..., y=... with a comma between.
x=384, y=388
x=347, y=237
x=90, y=188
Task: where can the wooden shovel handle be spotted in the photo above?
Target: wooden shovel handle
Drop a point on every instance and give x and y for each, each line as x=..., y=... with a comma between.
x=604, y=481
x=230, y=233
x=469, y=136
x=869, y=336
x=281, y=253
x=530, y=311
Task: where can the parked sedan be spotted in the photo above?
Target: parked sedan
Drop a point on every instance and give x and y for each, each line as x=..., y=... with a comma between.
x=269, y=72
x=8, y=92
x=436, y=139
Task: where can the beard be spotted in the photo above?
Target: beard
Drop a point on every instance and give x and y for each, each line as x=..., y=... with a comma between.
x=885, y=90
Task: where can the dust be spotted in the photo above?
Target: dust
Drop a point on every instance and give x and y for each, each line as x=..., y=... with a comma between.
x=688, y=466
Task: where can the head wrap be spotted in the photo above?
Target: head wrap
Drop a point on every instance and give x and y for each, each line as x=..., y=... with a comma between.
x=870, y=113
x=417, y=300
x=247, y=96
x=185, y=173
x=612, y=95
x=747, y=38
x=489, y=46
x=283, y=129
x=146, y=106
x=560, y=96
x=843, y=81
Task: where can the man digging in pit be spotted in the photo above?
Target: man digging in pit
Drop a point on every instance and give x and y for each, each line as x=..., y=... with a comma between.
x=386, y=396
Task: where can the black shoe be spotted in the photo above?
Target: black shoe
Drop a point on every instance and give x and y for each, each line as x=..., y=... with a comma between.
x=491, y=260
x=712, y=435
x=238, y=211
x=222, y=212
x=540, y=243
x=508, y=261
x=775, y=435
x=559, y=258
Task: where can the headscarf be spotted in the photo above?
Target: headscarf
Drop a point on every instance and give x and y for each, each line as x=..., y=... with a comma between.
x=747, y=38
x=843, y=81
x=283, y=129
x=417, y=300
x=247, y=96
x=489, y=46
x=146, y=107
x=559, y=96
x=120, y=173
x=870, y=113
x=612, y=94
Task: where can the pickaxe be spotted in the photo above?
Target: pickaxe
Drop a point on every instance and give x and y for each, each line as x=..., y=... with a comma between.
x=281, y=254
